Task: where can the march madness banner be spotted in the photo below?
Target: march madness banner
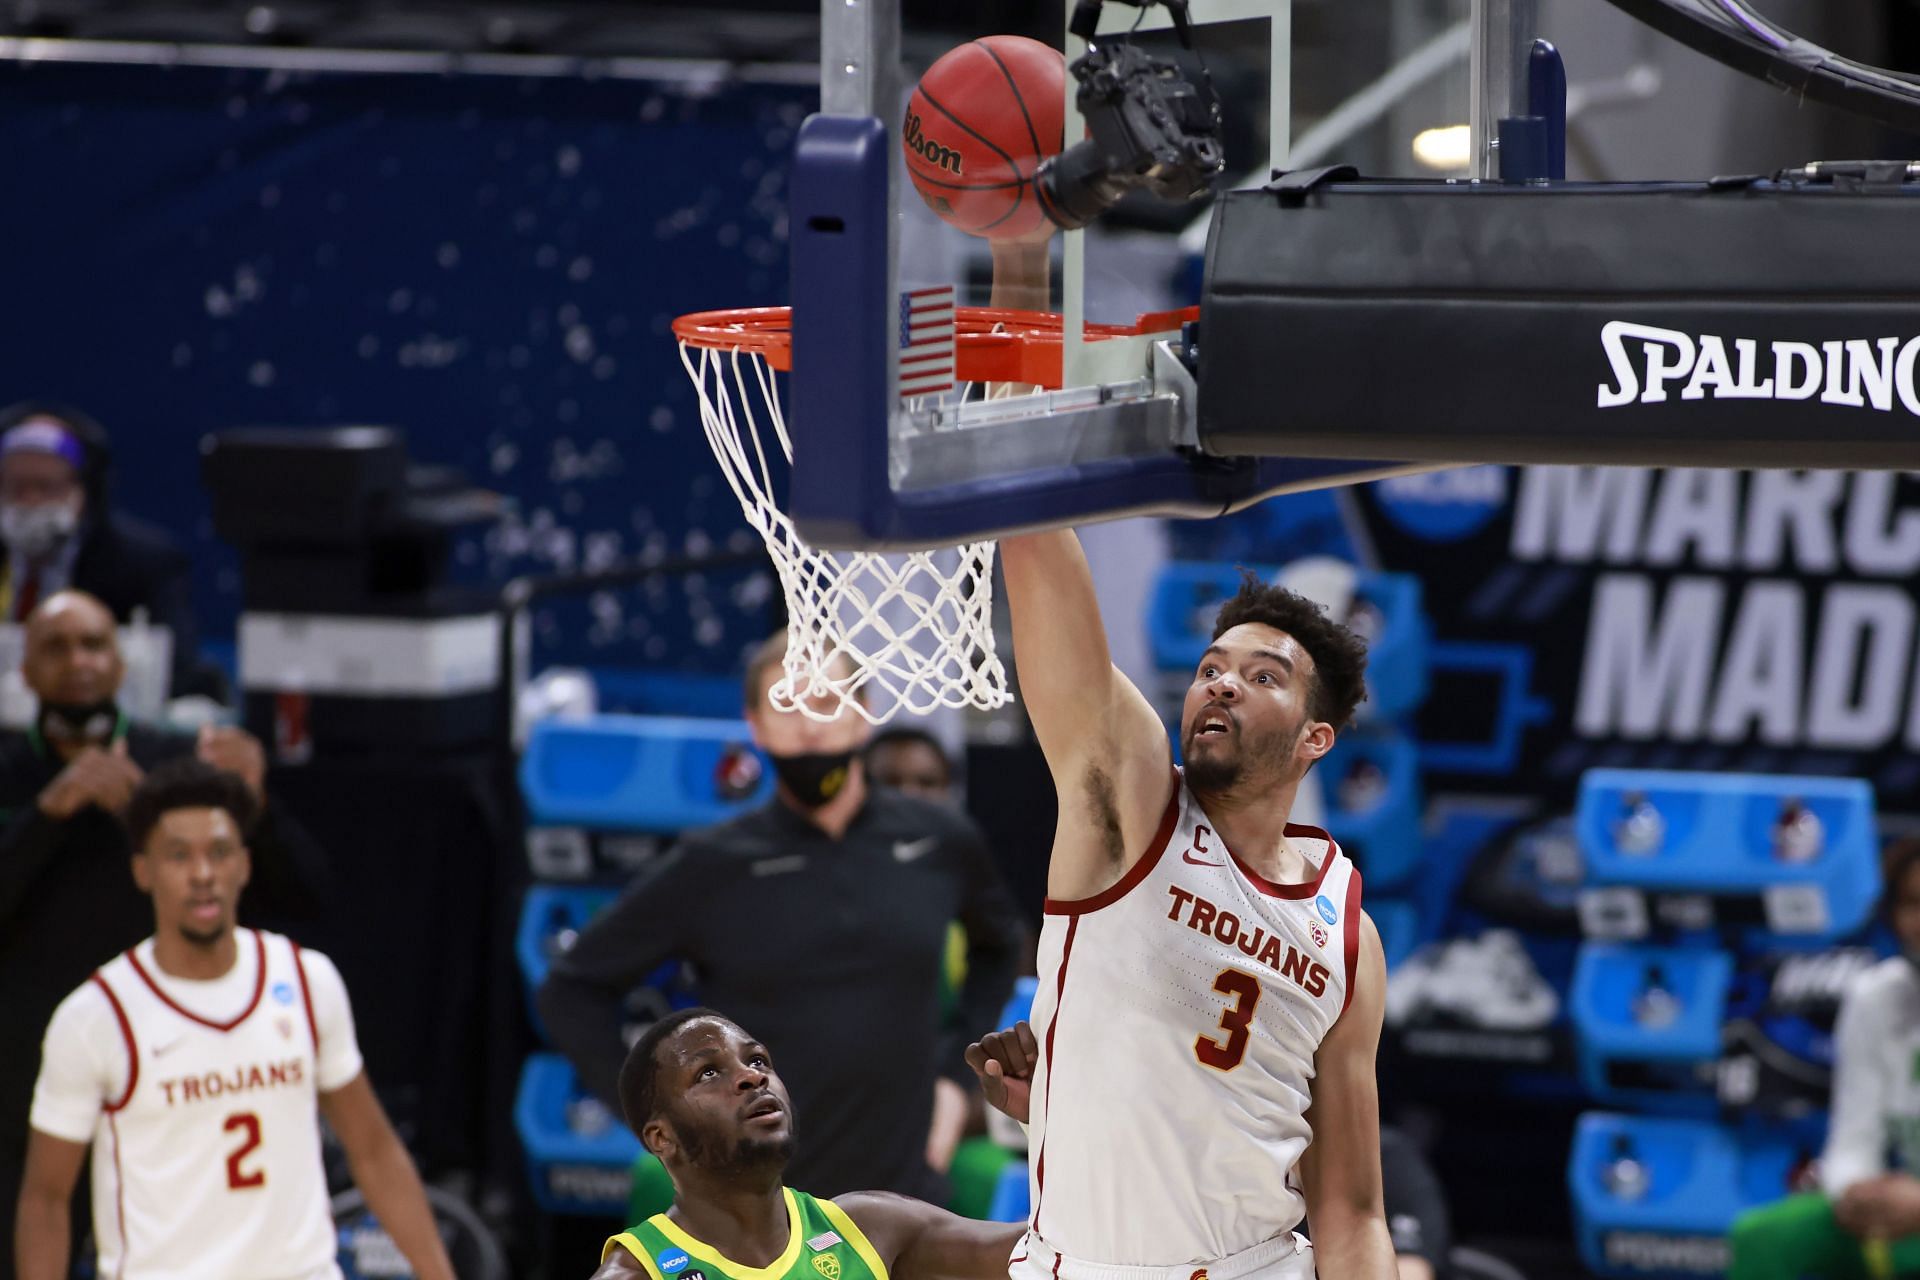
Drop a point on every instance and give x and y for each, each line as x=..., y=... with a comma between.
x=1684, y=619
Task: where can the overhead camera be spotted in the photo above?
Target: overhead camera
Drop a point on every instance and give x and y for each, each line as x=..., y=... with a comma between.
x=1152, y=128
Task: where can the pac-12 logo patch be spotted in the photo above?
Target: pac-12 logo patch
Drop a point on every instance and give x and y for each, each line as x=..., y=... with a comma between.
x=283, y=992
x=827, y=1265
x=1325, y=906
x=1319, y=934
x=672, y=1260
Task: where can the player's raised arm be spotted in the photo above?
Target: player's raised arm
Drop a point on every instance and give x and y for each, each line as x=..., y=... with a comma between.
x=919, y=1241
x=1109, y=755
x=1340, y=1171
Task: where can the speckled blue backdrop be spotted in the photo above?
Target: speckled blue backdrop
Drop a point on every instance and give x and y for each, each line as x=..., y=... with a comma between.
x=489, y=261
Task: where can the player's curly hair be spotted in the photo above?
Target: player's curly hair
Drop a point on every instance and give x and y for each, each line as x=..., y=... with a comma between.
x=1339, y=656
x=187, y=782
x=640, y=1073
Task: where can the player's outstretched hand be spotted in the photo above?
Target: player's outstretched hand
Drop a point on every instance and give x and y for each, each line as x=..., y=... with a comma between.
x=1004, y=1061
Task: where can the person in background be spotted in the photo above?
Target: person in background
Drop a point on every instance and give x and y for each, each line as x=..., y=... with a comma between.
x=59, y=532
x=1864, y=1221
x=66, y=901
x=197, y=1065
x=818, y=919
x=911, y=761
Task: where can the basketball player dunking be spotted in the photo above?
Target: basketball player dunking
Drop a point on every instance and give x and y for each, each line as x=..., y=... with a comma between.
x=1210, y=992
x=196, y=1065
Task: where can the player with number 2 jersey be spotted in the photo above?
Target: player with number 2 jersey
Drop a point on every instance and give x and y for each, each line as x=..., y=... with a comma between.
x=196, y=1066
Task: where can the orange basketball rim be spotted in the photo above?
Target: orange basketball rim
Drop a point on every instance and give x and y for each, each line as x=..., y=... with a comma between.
x=991, y=344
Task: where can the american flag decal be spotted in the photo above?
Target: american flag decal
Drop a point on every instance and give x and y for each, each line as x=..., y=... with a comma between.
x=926, y=341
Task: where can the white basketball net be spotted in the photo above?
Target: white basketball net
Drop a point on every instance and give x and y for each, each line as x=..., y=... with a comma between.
x=879, y=632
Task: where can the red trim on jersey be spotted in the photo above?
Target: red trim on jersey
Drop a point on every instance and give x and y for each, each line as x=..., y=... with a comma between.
x=306, y=998
x=1352, y=931
x=1135, y=874
x=1307, y=889
x=119, y=1197
x=126, y=1033
x=1056, y=1264
x=259, y=986
x=1059, y=993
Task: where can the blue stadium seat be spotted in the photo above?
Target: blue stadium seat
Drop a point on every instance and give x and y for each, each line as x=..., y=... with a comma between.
x=1012, y=1195
x=1712, y=834
x=660, y=774
x=1647, y=1024
x=1657, y=1196
x=1378, y=826
x=579, y=1155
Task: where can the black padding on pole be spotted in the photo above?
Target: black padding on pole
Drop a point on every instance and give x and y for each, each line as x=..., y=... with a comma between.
x=1661, y=324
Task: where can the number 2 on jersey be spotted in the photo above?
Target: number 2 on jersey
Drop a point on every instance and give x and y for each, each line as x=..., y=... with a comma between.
x=250, y=1123
x=1245, y=991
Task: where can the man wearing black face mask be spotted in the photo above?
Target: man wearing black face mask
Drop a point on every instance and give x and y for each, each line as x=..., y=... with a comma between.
x=821, y=921
x=67, y=904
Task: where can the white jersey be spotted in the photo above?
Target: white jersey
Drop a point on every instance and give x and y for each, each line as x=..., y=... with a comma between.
x=1876, y=1077
x=200, y=1100
x=1178, y=1014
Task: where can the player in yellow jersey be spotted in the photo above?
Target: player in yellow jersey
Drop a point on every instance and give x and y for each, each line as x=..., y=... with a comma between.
x=703, y=1096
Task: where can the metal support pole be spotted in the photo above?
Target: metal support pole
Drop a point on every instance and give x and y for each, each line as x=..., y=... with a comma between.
x=1503, y=33
x=860, y=57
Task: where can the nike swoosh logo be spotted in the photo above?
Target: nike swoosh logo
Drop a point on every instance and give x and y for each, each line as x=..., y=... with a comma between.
x=1199, y=862
x=168, y=1047
x=908, y=850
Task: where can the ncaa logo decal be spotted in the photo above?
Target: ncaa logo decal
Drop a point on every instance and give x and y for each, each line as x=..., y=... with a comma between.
x=283, y=992
x=672, y=1260
x=1324, y=905
x=1319, y=934
x=827, y=1265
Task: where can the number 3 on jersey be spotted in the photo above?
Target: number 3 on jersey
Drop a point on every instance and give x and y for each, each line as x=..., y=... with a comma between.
x=248, y=1123
x=1245, y=992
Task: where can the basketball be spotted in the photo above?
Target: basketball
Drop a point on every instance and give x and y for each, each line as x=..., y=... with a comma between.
x=978, y=125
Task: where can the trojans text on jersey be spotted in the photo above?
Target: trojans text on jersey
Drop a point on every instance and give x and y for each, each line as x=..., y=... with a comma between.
x=224, y=1084
x=1284, y=959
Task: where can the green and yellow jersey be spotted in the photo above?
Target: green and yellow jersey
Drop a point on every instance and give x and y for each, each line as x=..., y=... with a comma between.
x=822, y=1244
